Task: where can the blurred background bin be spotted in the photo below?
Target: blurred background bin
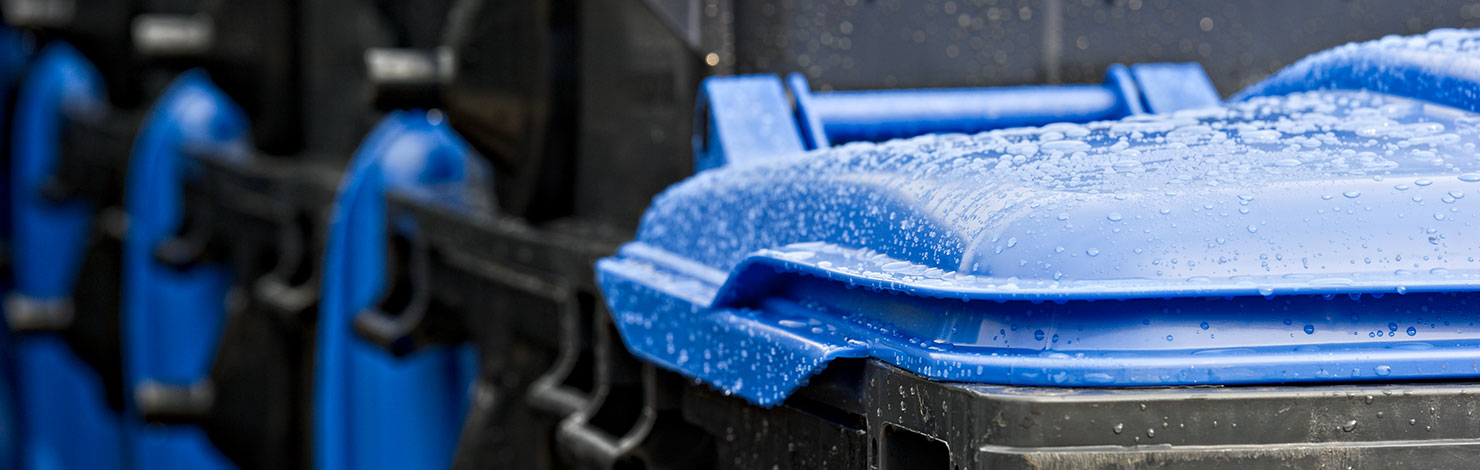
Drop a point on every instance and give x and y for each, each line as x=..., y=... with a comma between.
x=263, y=212
x=172, y=311
x=373, y=410
x=66, y=353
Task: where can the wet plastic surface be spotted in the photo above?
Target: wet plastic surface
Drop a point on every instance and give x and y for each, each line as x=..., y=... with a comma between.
x=1439, y=67
x=1207, y=246
x=751, y=117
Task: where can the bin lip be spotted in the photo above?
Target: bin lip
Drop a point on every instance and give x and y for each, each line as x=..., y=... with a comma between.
x=766, y=329
x=869, y=269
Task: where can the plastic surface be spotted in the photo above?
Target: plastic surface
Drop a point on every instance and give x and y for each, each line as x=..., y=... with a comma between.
x=66, y=421
x=747, y=117
x=372, y=410
x=865, y=414
x=172, y=317
x=1267, y=241
x=1168, y=87
x=873, y=115
x=1439, y=67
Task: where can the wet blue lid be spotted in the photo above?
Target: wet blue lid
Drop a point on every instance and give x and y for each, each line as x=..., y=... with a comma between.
x=1264, y=241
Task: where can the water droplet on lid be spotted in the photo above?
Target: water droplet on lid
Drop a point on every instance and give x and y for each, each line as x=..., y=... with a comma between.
x=1011, y=242
x=1457, y=194
x=1423, y=182
x=1351, y=194
x=1469, y=177
x=1253, y=228
x=1092, y=252
x=896, y=266
x=1114, y=217
x=1038, y=335
x=1204, y=325
x=1438, y=216
x=1349, y=426
x=1412, y=331
x=1310, y=329
x=1169, y=337
x=1119, y=427
x=1383, y=370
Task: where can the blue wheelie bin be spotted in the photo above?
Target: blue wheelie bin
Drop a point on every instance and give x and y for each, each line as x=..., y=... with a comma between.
x=1043, y=297
x=173, y=312
x=373, y=410
x=66, y=419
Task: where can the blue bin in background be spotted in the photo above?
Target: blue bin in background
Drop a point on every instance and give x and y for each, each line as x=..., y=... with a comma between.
x=173, y=314
x=167, y=313
x=373, y=410
x=66, y=421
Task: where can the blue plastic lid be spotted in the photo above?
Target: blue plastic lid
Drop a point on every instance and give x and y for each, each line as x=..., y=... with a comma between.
x=1265, y=241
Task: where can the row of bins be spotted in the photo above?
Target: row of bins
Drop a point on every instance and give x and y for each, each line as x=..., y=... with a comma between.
x=349, y=234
